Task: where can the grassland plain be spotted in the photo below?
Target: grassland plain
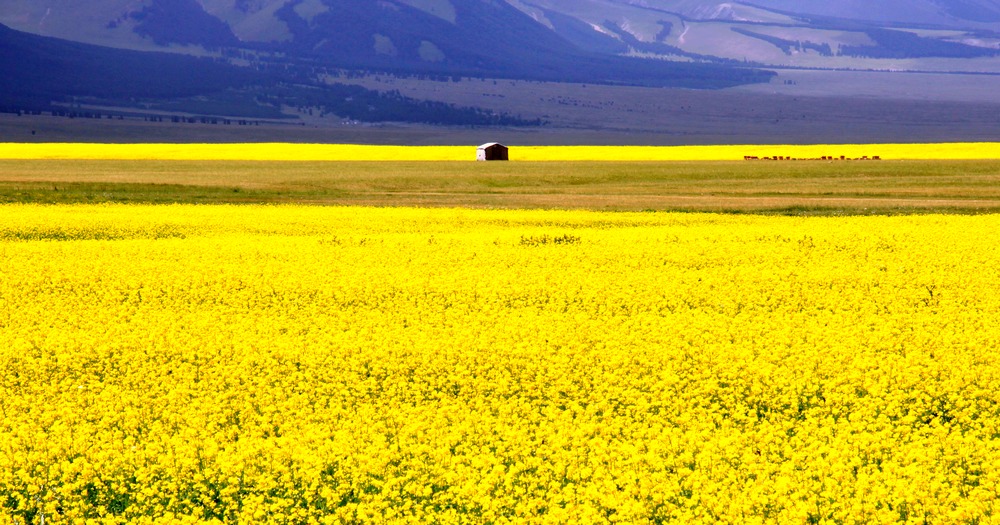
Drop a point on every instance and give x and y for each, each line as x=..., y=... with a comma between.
x=305, y=364
x=891, y=186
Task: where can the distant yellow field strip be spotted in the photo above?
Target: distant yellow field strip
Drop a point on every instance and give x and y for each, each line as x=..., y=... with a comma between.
x=253, y=152
x=346, y=152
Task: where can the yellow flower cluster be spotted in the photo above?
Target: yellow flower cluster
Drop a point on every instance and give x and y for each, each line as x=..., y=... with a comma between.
x=352, y=152
x=366, y=365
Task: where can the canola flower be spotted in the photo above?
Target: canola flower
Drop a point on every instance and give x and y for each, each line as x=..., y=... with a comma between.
x=349, y=152
x=195, y=364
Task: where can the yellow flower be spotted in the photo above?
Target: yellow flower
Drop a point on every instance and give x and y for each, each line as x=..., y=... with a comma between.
x=664, y=367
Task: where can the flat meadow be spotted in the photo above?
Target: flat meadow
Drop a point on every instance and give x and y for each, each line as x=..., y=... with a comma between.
x=322, y=347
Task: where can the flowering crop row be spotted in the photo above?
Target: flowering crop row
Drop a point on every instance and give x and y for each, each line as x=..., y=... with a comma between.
x=352, y=152
x=367, y=365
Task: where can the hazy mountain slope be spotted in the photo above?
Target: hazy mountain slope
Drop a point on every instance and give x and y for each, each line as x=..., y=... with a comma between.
x=182, y=22
x=250, y=20
x=90, y=21
x=944, y=13
x=469, y=38
x=131, y=24
x=944, y=35
x=562, y=40
x=955, y=14
x=44, y=68
x=473, y=38
x=123, y=23
x=485, y=35
x=44, y=73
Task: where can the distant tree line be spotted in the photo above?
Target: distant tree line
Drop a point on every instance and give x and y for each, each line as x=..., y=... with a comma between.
x=58, y=112
x=903, y=44
x=787, y=46
x=358, y=103
x=16, y=110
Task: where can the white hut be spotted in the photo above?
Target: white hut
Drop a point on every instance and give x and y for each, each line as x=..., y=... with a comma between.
x=491, y=151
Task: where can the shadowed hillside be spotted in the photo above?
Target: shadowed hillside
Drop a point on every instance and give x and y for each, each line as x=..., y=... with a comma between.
x=41, y=73
x=41, y=69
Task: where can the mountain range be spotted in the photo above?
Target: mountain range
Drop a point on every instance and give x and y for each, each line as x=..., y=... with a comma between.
x=501, y=36
x=295, y=44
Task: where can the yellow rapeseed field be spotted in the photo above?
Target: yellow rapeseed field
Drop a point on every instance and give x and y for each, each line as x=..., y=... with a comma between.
x=385, y=365
x=346, y=152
